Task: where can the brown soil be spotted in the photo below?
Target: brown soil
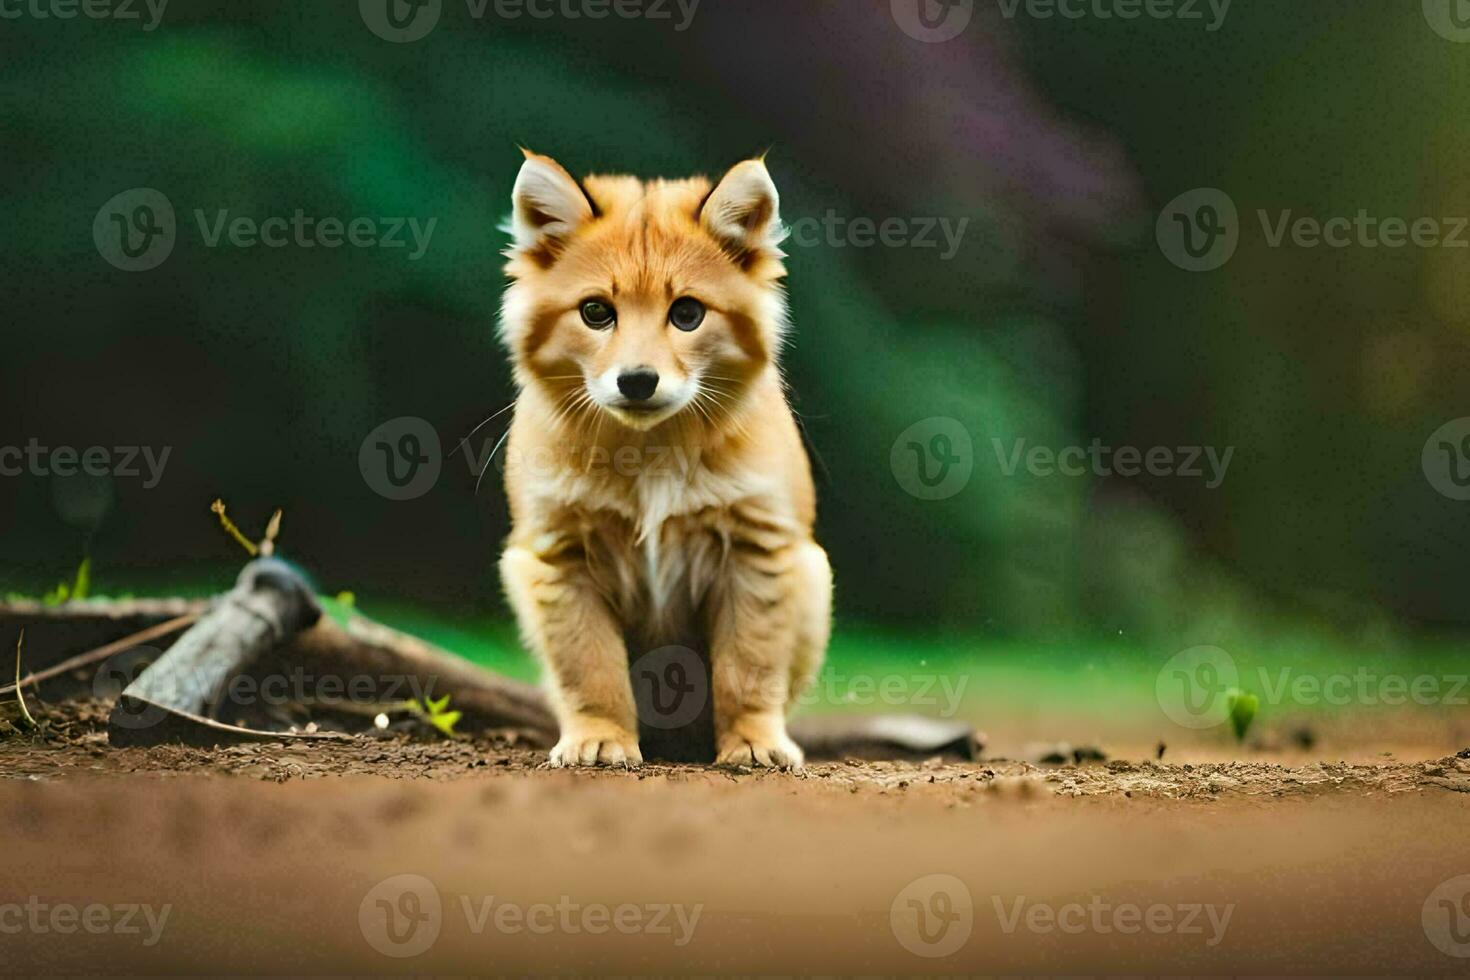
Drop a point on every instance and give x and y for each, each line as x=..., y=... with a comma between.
x=268, y=856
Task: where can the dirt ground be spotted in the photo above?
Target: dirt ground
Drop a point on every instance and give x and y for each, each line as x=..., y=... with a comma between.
x=400, y=855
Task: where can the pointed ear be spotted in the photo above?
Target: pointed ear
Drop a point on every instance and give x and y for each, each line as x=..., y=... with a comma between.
x=743, y=211
x=547, y=205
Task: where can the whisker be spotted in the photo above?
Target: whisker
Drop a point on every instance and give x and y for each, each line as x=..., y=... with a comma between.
x=695, y=404
x=477, y=428
x=717, y=393
x=488, y=459
x=579, y=406
x=725, y=404
x=722, y=401
x=567, y=403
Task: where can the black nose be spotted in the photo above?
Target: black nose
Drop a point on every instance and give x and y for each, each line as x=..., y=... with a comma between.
x=638, y=384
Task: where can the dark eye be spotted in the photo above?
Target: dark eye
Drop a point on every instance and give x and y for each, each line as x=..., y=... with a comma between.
x=687, y=313
x=597, y=314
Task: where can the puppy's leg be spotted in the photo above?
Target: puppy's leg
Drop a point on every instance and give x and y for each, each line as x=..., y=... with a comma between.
x=567, y=622
x=813, y=585
x=754, y=615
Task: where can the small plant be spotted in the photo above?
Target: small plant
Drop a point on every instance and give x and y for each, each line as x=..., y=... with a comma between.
x=339, y=608
x=436, y=713
x=430, y=711
x=1243, y=707
x=77, y=588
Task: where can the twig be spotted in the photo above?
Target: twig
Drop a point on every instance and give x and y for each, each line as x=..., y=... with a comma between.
x=267, y=546
x=19, y=694
x=218, y=507
x=101, y=653
x=268, y=543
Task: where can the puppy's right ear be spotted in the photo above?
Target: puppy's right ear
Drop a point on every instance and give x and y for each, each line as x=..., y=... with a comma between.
x=548, y=206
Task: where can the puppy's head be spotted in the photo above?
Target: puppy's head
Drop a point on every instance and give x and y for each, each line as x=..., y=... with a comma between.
x=643, y=300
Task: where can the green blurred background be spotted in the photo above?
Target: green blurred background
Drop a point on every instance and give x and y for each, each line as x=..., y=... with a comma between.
x=1058, y=320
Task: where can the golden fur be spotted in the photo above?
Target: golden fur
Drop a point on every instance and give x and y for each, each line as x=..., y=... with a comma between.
x=638, y=526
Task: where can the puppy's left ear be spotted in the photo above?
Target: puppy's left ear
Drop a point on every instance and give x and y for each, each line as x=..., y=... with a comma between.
x=743, y=211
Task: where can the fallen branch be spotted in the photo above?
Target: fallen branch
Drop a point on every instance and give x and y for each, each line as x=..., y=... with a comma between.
x=378, y=658
x=100, y=654
x=177, y=696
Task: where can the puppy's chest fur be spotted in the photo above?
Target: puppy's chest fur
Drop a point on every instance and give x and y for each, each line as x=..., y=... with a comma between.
x=658, y=543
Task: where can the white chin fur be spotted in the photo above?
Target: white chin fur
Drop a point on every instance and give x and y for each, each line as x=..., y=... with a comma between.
x=643, y=421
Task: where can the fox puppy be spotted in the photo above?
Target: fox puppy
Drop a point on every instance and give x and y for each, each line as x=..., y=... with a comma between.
x=659, y=489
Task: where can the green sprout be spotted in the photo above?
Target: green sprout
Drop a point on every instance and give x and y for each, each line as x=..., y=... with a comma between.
x=436, y=713
x=339, y=608
x=1243, y=708
x=77, y=588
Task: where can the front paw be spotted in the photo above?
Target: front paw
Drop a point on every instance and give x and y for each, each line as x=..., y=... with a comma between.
x=758, y=741
x=592, y=742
